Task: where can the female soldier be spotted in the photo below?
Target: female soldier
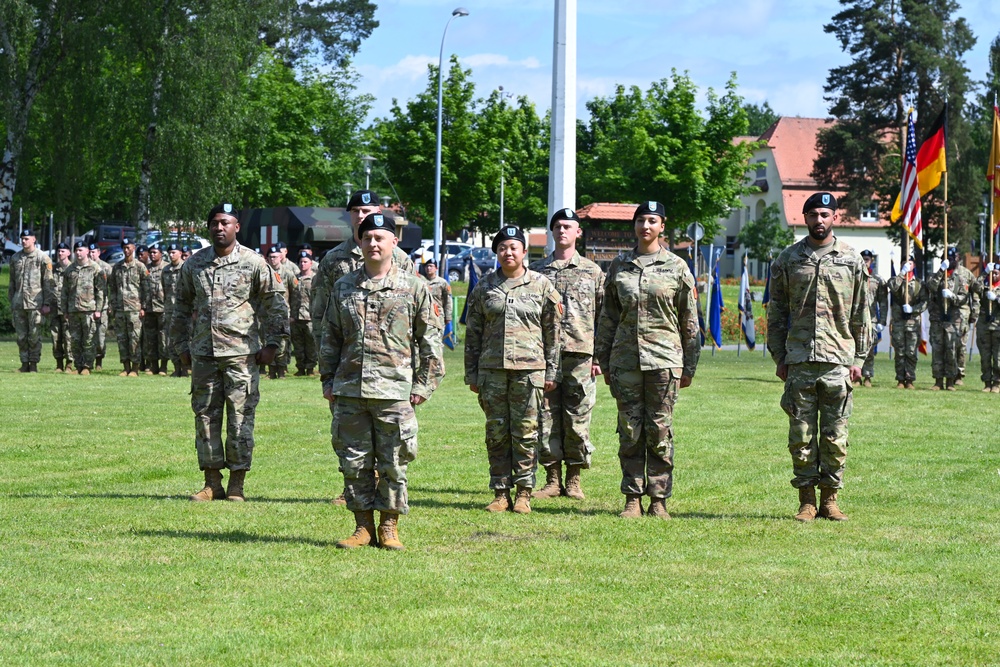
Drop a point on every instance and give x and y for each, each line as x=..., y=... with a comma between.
x=511, y=355
x=648, y=340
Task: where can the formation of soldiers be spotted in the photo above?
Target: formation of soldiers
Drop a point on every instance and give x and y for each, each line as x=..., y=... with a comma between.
x=537, y=338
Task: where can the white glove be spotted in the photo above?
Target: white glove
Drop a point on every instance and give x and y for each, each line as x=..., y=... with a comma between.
x=947, y=293
x=879, y=328
x=944, y=265
x=906, y=268
x=991, y=295
x=908, y=309
x=988, y=267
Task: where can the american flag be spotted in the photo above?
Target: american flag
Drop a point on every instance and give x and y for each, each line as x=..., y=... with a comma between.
x=910, y=195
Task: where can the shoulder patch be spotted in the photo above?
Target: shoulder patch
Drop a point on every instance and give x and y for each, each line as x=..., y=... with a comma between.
x=437, y=310
x=448, y=287
x=559, y=307
x=277, y=276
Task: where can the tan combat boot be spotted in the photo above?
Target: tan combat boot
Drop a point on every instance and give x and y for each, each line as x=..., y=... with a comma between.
x=213, y=487
x=633, y=507
x=388, y=537
x=938, y=384
x=658, y=509
x=867, y=382
x=98, y=364
x=807, y=503
x=950, y=386
x=126, y=369
x=24, y=367
x=573, y=489
x=501, y=501
x=553, y=482
x=84, y=371
x=900, y=385
x=995, y=389
x=60, y=368
x=522, y=501
x=364, y=531
x=960, y=381
x=987, y=388
x=162, y=368
x=33, y=367
x=235, y=490
x=828, y=505
x=341, y=499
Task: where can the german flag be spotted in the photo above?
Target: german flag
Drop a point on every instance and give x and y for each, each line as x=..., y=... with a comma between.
x=931, y=162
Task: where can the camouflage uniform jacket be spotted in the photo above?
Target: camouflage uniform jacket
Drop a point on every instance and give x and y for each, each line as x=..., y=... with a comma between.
x=234, y=300
x=897, y=289
x=373, y=329
x=299, y=306
x=58, y=270
x=31, y=285
x=107, y=268
x=649, y=319
x=950, y=310
x=289, y=282
x=168, y=279
x=819, y=307
x=989, y=319
x=513, y=325
x=878, y=299
x=440, y=290
x=155, y=301
x=580, y=282
x=83, y=288
x=338, y=263
x=129, y=286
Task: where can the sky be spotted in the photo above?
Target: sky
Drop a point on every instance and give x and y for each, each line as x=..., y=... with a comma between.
x=776, y=47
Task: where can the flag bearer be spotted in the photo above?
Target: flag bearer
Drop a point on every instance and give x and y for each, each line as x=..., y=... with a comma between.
x=909, y=300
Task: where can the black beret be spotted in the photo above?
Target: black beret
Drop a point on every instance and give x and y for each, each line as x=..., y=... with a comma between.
x=228, y=209
x=79, y=244
x=431, y=262
x=952, y=251
x=304, y=253
x=563, y=214
x=173, y=246
x=647, y=207
x=820, y=200
x=274, y=250
x=186, y=248
x=93, y=246
x=127, y=241
x=281, y=245
x=377, y=221
x=62, y=246
x=508, y=232
x=362, y=198
x=155, y=247
x=26, y=232
x=306, y=246
x=866, y=253
x=141, y=249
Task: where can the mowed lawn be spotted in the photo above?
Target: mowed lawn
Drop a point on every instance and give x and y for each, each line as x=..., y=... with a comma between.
x=105, y=561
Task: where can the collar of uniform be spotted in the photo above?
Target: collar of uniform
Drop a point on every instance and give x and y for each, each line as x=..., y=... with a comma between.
x=661, y=256
x=574, y=260
x=805, y=249
x=498, y=277
x=365, y=282
x=354, y=248
x=228, y=259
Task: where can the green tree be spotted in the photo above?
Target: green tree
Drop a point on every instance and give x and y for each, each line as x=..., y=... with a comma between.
x=332, y=29
x=759, y=118
x=765, y=235
x=902, y=51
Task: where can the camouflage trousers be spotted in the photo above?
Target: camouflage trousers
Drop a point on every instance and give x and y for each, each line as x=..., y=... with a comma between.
x=566, y=414
x=868, y=369
x=62, y=346
x=989, y=354
x=230, y=384
x=369, y=435
x=512, y=403
x=28, y=326
x=170, y=352
x=962, y=351
x=304, y=344
x=906, y=342
x=283, y=355
x=101, y=335
x=946, y=339
x=81, y=334
x=818, y=399
x=645, y=429
x=154, y=336
x=129, y=330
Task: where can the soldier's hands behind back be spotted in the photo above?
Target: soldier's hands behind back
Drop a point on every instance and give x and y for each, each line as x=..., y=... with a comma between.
x=416, y=400
x=685, y=381
x=265, y=356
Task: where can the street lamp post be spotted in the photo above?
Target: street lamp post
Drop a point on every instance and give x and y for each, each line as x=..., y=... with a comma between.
x=501, y=193
x=460, y=11
x=367, y=161
x=348, y=188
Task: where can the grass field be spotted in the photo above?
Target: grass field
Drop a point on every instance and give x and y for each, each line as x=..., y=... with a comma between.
x=105, y=561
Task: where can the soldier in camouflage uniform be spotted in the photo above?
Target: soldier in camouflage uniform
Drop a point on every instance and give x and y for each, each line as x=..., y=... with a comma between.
x=101, y=328
x=290, y=285
x=949, y=308
x=30, y=296
x=970, y=315
x=168, y=279
x=566, y=410
x=154, y=320
x=129, y=285
x=648, y=346
x=909, y=299
x=62, y=349
x=988, y=326
x=228, y=300
x=340, y=261
x=82, y=297
x=381, y=356
x=303, y=340
x=819, y=333
x=511, y=357
x=440, y=290
x=878, y=304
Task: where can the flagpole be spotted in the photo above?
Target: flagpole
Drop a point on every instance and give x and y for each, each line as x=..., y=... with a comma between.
x=906, y=232
x=739, y=339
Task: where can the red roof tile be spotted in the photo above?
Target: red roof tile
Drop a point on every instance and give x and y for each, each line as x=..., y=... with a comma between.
x=606, y=211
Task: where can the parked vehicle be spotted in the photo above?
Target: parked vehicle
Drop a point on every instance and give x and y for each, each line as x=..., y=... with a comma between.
x=484, y=260
x=451, y=249
x=108, y=234
x=113, y=255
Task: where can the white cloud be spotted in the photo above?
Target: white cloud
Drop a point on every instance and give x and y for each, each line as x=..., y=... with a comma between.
x=497, y=60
